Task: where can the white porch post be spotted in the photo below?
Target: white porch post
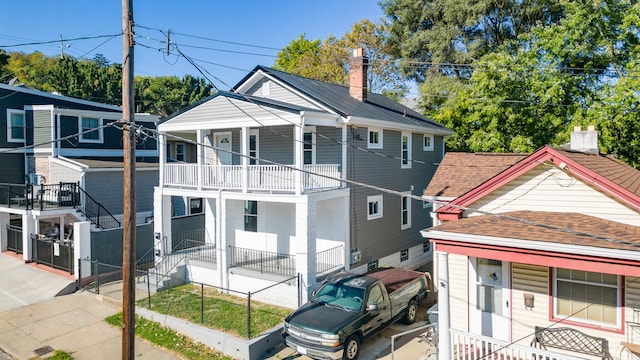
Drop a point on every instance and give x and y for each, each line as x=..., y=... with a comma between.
x=444, y=319
x=162, y=157
x=306, y=243
x=82, y=247
x=343, y=174
x=244, y=160
x=298, y=146
x=161, y=222
x=5, y=219
x=28, y=227
x=222, y=241
x=200, y=156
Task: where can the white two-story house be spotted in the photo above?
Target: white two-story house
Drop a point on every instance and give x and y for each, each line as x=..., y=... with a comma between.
x=298, y=176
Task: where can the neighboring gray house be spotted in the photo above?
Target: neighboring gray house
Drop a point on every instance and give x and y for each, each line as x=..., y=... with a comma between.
x=269, y=178
x=62, y=163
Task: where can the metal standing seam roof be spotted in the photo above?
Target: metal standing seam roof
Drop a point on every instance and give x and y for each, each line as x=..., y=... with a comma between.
x=337, y=98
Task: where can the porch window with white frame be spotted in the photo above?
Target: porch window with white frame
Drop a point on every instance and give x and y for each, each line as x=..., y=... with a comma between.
x=309, y=145
x=405, y=153
x=405, y=211
x=15, y=125
x=374, y=207
x=91, y=130
x=374, y=138
x=587, y=297
x=427, y=142
x=180, y=152
x=251, y=216
x=253, y=147
x=170, y=151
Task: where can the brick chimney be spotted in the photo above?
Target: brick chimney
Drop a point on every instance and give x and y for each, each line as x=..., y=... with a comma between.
x=584, y=141
x=358, y=74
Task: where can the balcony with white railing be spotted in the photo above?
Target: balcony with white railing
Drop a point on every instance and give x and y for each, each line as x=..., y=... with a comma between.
x=254, y=177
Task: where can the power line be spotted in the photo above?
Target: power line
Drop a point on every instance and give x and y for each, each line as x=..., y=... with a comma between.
x=60, y=39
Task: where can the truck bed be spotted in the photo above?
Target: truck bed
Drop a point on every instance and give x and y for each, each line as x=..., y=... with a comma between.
x=393, y=278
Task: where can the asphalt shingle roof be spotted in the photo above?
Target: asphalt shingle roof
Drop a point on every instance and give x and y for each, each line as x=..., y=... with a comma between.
x=555, y=227
x=460, y=172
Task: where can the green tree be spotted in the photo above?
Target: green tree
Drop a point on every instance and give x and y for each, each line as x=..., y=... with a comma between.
x=30, y=69
x=86, y=79
x=167, y=94
x=4, y=72
x=531, y=90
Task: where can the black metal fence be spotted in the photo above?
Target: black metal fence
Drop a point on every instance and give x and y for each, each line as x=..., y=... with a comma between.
x=330, y=259
x=262, y=261
x=173, y=302
x=53, y=252
x=14, y=239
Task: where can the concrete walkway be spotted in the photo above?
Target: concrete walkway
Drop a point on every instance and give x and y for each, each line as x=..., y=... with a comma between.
x=34, y=322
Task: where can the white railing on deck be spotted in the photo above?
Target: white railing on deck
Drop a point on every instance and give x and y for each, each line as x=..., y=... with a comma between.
x=329, y=180
x=182, y=175
x=474, y=347
x=260, y=177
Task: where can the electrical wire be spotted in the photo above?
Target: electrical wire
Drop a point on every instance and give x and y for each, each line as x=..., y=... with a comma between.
x=60, y=40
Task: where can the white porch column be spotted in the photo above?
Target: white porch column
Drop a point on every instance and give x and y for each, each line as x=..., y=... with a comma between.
x=200, y=156
x=298, y=158
x=343, y=168
x=5, y=219
x=244, y=160
x=162, y=157
x=161, y=222
x=306, y=244
x=222, y=241
x=28, y=227
x=82, y=248
x=444, y=317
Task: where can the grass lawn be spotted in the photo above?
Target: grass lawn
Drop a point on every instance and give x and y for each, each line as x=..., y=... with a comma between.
x=222, y=312
x=169, y=339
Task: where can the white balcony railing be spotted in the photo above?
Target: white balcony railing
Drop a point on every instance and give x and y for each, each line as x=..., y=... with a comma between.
x=474, y=347
x=259, y=177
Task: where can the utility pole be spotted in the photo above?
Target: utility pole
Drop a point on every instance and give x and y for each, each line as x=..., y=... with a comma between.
x=129, y=164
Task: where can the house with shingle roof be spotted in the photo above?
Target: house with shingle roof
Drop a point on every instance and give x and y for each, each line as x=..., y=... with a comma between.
x=550, y=239
x=292, y=174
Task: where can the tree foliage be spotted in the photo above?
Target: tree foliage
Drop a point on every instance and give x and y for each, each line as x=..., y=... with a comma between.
x=100, y=80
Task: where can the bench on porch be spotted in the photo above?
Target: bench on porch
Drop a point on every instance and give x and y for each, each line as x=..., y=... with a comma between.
x=570, y=339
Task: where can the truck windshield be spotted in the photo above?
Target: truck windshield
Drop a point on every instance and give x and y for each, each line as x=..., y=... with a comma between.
x=341, y=295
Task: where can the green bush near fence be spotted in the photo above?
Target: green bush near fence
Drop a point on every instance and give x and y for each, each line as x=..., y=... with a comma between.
x=215, y=310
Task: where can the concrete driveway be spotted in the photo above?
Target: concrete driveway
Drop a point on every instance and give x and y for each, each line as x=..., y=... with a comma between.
x=25, y=284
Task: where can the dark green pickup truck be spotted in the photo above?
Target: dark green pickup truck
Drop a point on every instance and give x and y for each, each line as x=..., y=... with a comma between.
x=349, y=307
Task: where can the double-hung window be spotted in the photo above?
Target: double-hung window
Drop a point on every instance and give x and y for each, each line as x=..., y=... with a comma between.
x=405, y=151
x=374, y=207
x=405, y=211
x=587, y=297
x=427, y=142
x=253, y=147
x=251, y=215
x=309, y=145
x=15, y=125
x=90, y=129
x=180, y=152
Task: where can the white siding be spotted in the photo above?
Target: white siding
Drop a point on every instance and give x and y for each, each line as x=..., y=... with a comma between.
x=458, y=291
x=546, y=188
x=280, y=93
x=529, y=279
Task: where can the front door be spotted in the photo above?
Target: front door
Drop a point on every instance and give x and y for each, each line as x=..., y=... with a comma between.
x=489, y=298
x=223, y=148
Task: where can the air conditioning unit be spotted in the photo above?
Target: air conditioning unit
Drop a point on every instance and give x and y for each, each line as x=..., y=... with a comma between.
x=36, y=179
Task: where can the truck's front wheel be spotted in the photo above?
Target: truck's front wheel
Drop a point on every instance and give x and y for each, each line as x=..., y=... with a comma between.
x=412, y=312
x=351, y=348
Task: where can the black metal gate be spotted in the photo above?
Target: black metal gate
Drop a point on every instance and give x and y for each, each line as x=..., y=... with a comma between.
x=14, y=238
x=52, y=252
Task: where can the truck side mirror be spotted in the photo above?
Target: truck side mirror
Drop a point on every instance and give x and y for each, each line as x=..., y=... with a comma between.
x=372, y=307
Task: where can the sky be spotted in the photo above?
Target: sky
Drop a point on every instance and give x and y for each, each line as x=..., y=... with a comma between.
x=226, y=38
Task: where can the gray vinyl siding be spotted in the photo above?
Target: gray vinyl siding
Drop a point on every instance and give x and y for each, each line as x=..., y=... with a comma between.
x=107, y=188
x=276, y=144
x=382, y=168
x=328, y=145
x=12, y=168
x=278, y=92
x=42, y=129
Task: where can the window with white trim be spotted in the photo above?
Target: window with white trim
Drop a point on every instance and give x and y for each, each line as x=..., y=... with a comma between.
x=169, y=151
x=404, y=255
x=427, y=142
x=15, y=125
x=374, y=207
x=253, y=147
x=405, y=211
x=405, y=151
x=90, y=129
x=587, y=297
x=309, y=145
x=251, y=216
x=180, y=152
x=374, y=138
